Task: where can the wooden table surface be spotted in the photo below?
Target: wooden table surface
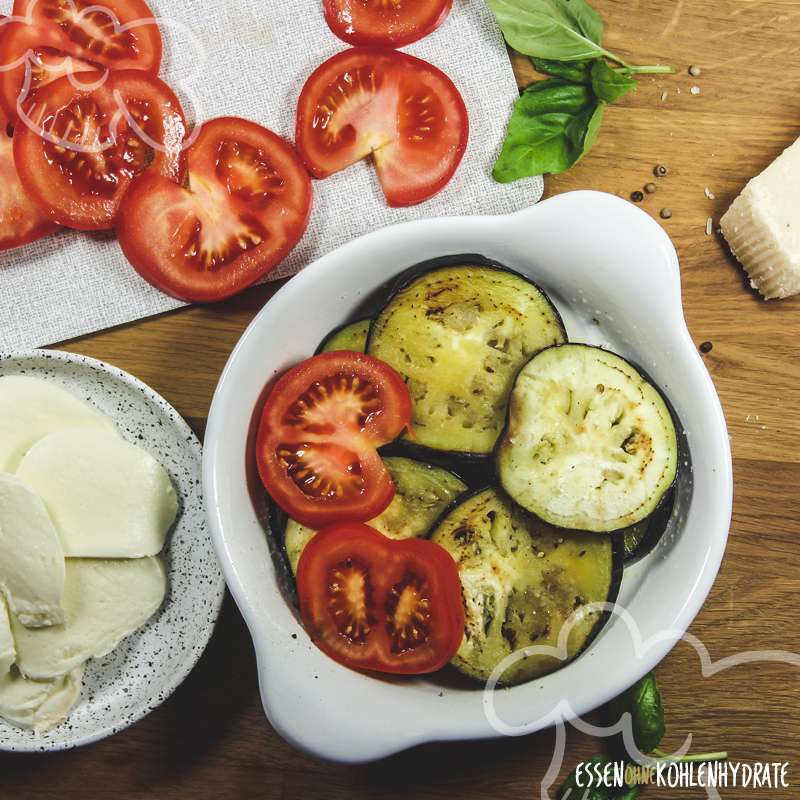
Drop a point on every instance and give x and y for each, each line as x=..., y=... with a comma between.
x=210, y=740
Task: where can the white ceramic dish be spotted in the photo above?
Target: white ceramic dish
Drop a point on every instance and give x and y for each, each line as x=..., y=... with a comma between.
x=148, y=666
x=600, y=259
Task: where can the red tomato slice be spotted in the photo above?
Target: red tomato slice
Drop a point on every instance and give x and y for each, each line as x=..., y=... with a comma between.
x=385, y=23
x=245, y=205
x=53, y=37
x=319, y=433
x=21, y=220
x=403, y=111
x=373, y=603
x=78, y=149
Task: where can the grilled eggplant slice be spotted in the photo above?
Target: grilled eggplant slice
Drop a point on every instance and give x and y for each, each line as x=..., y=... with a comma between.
x=458, y=335
x=351, y=336
x=641, y=538
x=590, y=444
x=633, y=538
x=423, y=493
x=521, y=580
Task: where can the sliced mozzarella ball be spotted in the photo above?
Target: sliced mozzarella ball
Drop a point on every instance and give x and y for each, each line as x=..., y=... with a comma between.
x=8, y=652
x=104, y=601
x=31, y=557
x=38, y=705
x=31, y=408
x=107, y=498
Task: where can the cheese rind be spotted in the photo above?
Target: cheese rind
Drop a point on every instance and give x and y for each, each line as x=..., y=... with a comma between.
x=8, y=652
x=31, y=557
x=39, y=705
x=104, y=601
x=762, y=227
x=31, y=408
x=107, y=498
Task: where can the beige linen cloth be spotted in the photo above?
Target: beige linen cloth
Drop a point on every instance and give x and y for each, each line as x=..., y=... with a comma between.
x=250, y=58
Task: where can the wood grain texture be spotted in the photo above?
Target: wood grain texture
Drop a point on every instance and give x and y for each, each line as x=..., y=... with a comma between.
x=211, y=739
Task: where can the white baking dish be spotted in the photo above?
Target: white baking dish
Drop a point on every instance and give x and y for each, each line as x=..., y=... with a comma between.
x=613, y=273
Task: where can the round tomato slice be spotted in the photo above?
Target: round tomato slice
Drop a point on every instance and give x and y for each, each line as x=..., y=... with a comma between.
x=373, y=603
x=48, y=38
x=404, y=112
x=319, y=433
x=385, y=23
x=244, y=206
x=21, y=220
x=77, y=149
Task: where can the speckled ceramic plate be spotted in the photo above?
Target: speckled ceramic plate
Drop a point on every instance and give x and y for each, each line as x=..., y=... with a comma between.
x=149, y=665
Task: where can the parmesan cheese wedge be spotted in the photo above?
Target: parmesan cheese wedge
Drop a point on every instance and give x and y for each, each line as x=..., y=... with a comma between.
x=31, y=557
x=762, y=227
x=8, y=652
x=104, y=601
x=39, y=705
x=31, y=408
x=106, y=497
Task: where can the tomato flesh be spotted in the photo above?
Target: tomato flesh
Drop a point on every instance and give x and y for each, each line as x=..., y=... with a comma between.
x=373, y=603
x=385, y=23
x=319, y=435
x=21, y=220
x=244, y=206
x=402, y=110
x=50, y=38
x=78, y=149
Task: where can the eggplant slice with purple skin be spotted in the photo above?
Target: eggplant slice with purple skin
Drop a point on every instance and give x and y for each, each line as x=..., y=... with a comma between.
x=640, y=539
x=458, y=334
x=422, y=493
x=350, y=336
x=522, y=580
x=590, y=444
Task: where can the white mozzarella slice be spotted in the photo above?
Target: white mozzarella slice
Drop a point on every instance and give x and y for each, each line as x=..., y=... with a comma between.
x=106, y=497
x=104, y=601
x=31, y=408
x=31, y=557
x=39, y=705
x=8, y=652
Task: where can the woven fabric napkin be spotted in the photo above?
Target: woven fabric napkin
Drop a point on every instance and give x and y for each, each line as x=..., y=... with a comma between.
x=250, y=58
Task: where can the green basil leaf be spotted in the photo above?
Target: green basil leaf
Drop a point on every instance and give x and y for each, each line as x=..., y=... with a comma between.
x=562, y=30
x=643, y=702
x=572, y=71
x=593, y=127
x=585, y=127
x=578, y=128
x=547, y=132
x=608, y=84
x=648, y=714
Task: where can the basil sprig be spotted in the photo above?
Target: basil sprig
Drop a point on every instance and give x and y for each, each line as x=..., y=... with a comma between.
x=555, y=122
x=648, y=726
